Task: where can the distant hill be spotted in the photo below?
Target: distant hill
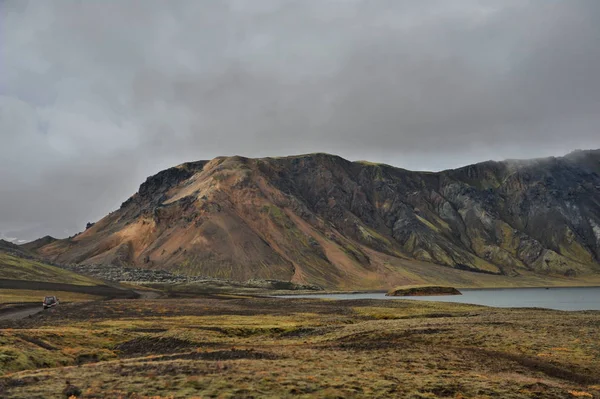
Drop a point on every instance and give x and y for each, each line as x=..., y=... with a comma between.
x=36, y=244
x=11, y=247
x=17, y=262
x=21, y=251
x=324, y=220
x=17, y=268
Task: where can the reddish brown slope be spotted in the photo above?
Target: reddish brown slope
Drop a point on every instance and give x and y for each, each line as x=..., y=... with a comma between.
x=223, y=219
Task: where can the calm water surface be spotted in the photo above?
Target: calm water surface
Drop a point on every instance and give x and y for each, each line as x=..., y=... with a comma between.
x=586, y=298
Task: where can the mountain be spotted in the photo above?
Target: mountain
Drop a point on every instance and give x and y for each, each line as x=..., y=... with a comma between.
x=37, y=244
x=324, y=220
x=11, y=248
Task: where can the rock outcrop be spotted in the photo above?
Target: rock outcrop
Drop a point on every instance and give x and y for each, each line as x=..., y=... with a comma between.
x=424, y=290
x=323, y=220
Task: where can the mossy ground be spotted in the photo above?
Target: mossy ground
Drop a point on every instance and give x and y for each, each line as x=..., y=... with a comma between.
x=234, y=347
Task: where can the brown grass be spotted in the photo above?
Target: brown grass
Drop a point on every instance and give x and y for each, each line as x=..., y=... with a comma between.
x=280, y=348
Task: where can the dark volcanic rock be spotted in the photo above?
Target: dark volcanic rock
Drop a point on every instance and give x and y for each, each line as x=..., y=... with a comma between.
x=71, y=391
x=426, y=290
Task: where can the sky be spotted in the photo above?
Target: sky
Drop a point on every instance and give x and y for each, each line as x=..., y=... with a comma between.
x=97, y=95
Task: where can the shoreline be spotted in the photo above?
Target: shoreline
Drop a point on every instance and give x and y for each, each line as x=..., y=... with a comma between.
x=353, y=292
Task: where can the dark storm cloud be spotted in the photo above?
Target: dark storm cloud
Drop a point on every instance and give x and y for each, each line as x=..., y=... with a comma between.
x=95, y=96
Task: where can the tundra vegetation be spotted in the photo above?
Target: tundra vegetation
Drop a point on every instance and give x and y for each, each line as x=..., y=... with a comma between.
x=233, y=346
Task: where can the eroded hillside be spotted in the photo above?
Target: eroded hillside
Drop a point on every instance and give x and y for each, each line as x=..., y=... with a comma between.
x=321, y=219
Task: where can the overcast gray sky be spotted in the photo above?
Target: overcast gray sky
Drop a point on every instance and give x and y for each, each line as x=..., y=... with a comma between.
x=97, y=95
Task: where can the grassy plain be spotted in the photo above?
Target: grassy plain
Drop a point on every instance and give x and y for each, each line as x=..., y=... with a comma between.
x=249, y=347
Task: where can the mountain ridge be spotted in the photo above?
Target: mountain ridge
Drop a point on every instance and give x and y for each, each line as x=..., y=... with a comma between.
x=321, y=219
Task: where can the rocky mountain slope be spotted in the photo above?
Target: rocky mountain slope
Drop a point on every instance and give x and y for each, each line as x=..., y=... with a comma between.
x=324, y=220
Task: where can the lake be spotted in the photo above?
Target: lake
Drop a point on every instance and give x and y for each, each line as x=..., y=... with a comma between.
x=580, y=298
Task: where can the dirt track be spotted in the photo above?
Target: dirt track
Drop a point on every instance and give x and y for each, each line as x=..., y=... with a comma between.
x=144, y=294
x=21, y=312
